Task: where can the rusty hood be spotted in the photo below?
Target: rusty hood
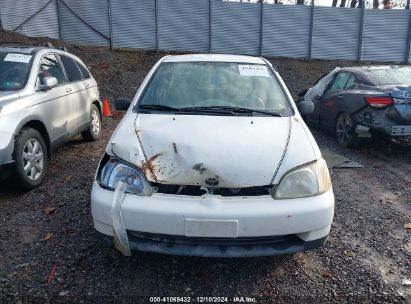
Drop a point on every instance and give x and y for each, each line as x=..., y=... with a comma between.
x=226, y=151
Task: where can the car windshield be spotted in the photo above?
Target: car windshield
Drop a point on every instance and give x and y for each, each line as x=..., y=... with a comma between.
x=14, y=70
x=214, y=85
x=391, y=75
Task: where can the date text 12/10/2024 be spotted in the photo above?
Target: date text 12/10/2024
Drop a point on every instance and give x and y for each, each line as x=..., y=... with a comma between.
x=235, y=299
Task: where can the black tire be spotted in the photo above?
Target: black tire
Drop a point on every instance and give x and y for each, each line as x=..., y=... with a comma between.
x=344, y=132
x=94, y=130
x=30, y=155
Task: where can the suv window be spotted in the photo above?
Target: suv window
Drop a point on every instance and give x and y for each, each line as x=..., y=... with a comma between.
x=14, y=70
x=84, y=71
x=72, y=70
x=340, y=81
x=50, y=67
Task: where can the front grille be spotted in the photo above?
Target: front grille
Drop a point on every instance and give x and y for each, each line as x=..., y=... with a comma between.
x=198, y=191
x=241, y=241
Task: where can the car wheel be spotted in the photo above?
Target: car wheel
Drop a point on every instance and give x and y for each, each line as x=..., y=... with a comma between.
x=30, y=155
x=344, y=131
x=94, y=130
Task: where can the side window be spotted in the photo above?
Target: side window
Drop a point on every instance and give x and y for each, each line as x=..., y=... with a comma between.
x=50, y=67
x=339, y=81
x=84, y=71
x=350, y=82
x=72, y=70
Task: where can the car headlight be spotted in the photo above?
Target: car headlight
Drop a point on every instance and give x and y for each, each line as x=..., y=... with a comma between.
x=312, y=179
x=115, y=171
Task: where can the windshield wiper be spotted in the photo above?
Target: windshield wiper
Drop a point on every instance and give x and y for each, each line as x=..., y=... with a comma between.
x=233, y=110
x=211, y=109
x=157, y=107
x=246, y=110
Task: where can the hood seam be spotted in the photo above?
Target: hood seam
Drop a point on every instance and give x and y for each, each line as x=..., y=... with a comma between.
x=285, y=151
x=139, y=140
x=311, y=142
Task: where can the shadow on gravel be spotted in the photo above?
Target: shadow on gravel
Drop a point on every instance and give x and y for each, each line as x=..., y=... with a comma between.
x=394, y=149
x=200, y=276
x=10, y=190
x=79, y=140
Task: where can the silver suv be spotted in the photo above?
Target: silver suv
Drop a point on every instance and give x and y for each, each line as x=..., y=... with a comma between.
x=47, y=96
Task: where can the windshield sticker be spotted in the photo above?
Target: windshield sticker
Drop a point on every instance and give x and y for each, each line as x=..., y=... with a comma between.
x=253, y=70
x=17, y=58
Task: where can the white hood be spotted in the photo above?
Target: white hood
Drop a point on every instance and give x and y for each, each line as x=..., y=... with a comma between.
x=236, y=151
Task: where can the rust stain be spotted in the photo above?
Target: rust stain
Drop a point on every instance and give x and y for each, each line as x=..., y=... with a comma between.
x=175, y=148
x=199, y=167
x=149, y=166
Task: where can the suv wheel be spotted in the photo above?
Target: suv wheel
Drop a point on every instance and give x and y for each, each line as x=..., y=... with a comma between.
x=94, y=130
x=31, y=158
x=344, y=131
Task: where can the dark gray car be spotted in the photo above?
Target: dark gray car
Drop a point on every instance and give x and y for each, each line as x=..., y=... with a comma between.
x=363, y=102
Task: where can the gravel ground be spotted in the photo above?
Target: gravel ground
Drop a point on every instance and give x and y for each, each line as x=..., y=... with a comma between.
x=365, y=260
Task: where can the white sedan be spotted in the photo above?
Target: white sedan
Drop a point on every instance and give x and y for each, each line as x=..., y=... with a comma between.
x=213, y=159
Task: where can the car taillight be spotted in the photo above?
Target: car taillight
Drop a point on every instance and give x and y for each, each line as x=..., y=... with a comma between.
x=379, y=102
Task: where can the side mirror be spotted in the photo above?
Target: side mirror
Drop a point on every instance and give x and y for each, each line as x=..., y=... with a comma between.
x=122, y=104
x=305, y=107
x=48, y=83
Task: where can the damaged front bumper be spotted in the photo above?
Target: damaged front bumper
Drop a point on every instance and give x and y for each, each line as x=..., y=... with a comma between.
x=219, y=248
x=400, y=131
x=388, y=131
x=381, y=122
x=211, y=225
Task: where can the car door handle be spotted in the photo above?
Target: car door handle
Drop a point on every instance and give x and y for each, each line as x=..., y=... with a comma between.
x=68, y=90
x=339, y=97
x=86, y=85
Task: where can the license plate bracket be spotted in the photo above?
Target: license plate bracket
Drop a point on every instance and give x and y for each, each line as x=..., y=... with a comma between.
x=211, y=228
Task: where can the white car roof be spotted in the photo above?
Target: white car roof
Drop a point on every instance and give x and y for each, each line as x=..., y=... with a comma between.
x=214, y=57
x=24, y=50
x=38, y=51
x=58, y=51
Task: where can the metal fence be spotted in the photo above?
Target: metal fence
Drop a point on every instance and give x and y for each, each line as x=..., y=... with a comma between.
x=218, y=26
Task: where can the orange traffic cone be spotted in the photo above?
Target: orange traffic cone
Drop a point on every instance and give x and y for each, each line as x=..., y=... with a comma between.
x=106, y=108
